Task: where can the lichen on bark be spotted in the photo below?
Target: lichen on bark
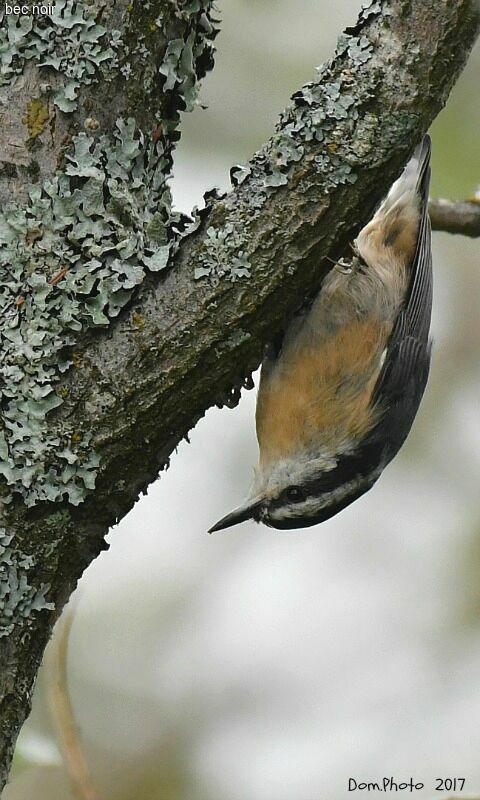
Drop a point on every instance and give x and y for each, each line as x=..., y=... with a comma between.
x=71, y=257
x=75, y=244
x=69, y=41
x=75, y=251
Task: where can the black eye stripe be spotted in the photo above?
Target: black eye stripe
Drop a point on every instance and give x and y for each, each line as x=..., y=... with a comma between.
x=347, y=469
x=326, y=513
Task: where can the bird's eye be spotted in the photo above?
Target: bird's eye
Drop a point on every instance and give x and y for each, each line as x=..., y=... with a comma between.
x=295, y=494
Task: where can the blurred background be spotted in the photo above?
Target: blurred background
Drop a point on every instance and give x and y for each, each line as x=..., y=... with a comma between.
x=261, y=665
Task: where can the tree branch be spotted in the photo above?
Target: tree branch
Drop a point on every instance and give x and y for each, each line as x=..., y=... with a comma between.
x=455, y=217
x=187, y=334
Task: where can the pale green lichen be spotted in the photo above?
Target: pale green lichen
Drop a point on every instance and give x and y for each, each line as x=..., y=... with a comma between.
x=373, y=8
x=19, y=598
x=359, y=48
x=75, y=251
x=322, y=111
x=178, y=68
x=319, y=109
x=68, y=40
x=71, y=257
x=223, y=255
x=185, y=61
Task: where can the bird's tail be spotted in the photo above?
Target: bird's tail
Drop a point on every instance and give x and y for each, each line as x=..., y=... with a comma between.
x=414, y=180
x=400, y=223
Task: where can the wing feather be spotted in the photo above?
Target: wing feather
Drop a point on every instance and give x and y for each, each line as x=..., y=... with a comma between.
x=404, y=374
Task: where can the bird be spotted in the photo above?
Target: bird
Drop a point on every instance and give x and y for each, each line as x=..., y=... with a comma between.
x=340, y=389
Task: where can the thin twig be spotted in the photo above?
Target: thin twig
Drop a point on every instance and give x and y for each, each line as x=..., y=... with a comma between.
x=455, y=217
x=62, y=713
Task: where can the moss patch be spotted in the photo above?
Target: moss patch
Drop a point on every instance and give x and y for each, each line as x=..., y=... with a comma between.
x=36, y=117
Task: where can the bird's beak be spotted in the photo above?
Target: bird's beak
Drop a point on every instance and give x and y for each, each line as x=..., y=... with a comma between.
x=241, y=514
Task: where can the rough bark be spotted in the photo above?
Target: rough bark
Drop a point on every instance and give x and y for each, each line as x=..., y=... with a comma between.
x=193, y=332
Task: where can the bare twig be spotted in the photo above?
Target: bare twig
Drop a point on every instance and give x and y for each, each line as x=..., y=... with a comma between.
x=455, y=217
x=62, y=712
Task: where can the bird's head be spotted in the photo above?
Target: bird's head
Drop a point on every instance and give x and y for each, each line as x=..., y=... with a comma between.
x=297, y=493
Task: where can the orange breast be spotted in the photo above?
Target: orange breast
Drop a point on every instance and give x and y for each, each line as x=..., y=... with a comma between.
x=315, y=397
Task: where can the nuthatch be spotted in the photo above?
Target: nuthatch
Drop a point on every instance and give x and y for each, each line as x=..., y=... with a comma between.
x=339, y=394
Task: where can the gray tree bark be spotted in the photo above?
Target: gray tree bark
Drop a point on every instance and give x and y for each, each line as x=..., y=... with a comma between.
x=111, y=354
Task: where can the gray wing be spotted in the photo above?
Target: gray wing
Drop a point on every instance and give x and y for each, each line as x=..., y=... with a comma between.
x=404, y=374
